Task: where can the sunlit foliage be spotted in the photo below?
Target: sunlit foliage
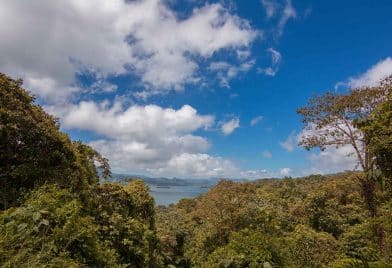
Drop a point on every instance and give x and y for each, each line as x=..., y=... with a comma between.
x=57, y=209
x=306, y=222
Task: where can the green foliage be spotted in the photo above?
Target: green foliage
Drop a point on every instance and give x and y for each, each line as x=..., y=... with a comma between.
x=125, y=219
x=349, y=263
x=362, y=119
x=50, y=230
x=54, y=211
x=113, y=228
x=306, y=222
x=33, y=151
x=378, y=134
x=356, y=263
x=308, y=248
x=246, y=249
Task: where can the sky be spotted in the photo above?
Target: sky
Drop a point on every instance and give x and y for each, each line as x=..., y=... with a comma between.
x=195, y=89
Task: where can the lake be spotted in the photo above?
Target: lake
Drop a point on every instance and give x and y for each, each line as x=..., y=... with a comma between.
x=167, y=196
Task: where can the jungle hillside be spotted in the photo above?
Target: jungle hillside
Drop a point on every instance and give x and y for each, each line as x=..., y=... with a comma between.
x=58, y=208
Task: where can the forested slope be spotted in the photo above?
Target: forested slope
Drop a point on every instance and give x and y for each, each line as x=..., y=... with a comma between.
x=315, y=221
x=54, y=213
x=56, y=210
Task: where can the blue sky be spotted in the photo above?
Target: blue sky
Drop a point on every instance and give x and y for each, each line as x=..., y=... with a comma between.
x=170, y=88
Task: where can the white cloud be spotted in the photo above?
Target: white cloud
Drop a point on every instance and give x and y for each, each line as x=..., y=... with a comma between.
x=49, y=88
x=275, y=55
x=290, y=143
x=51, y=41
x=267, y=154
x=254, y=174
x=282, y=10
x=340, y=129
x=287, y=14
x=256, y=120
x=271, y=7
x=136, y=121
x=332, y=160
x=150, y=139
x=206, y=166
x=267, y=71
x=276, y=58
x=138, y=138
x=226, y=71
x=373, y=75
x=229, y=126
x=197, y=165
x=285, y=171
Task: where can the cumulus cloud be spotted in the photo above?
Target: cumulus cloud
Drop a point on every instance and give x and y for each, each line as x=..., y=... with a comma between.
x=256, y=120
x=229, y=126
x=136, y=121
x=53, y=43
x=50, y=42
x=197, y=165
x=148, y=138
x=50, y=89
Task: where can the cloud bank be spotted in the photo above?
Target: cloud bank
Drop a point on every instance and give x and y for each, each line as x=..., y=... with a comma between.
x=51, y=42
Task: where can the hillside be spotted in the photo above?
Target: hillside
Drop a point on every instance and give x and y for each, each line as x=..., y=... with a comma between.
x=164, y=181
x=315, y=221
x=58, y=207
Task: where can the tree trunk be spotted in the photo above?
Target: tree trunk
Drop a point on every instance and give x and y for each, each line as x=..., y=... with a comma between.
x=368, y=187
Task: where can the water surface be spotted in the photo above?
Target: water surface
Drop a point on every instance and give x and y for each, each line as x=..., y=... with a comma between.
x=166, y=196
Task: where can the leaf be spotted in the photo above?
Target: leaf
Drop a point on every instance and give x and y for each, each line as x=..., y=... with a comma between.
x=21, y=227
x=10, y=223
x=44, y=222
x=36, y=216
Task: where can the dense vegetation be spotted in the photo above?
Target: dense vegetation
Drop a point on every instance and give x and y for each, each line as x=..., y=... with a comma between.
x=313, y=221
x=54, y=211
x=57, y=210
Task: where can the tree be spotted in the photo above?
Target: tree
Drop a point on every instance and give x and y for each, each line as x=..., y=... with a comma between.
x=246, y=248
x=336, y=120
x=377, y=129
x=50, y=229
x=33, y=151
x=329, y=120
x=124, y=215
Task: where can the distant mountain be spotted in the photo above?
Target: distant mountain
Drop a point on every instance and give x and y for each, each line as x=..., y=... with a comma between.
x=165, y=181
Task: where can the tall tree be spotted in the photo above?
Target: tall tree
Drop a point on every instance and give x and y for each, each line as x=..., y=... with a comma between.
x=377, y=130
x=330, y=120
x=34, y=151
x=336, y=120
